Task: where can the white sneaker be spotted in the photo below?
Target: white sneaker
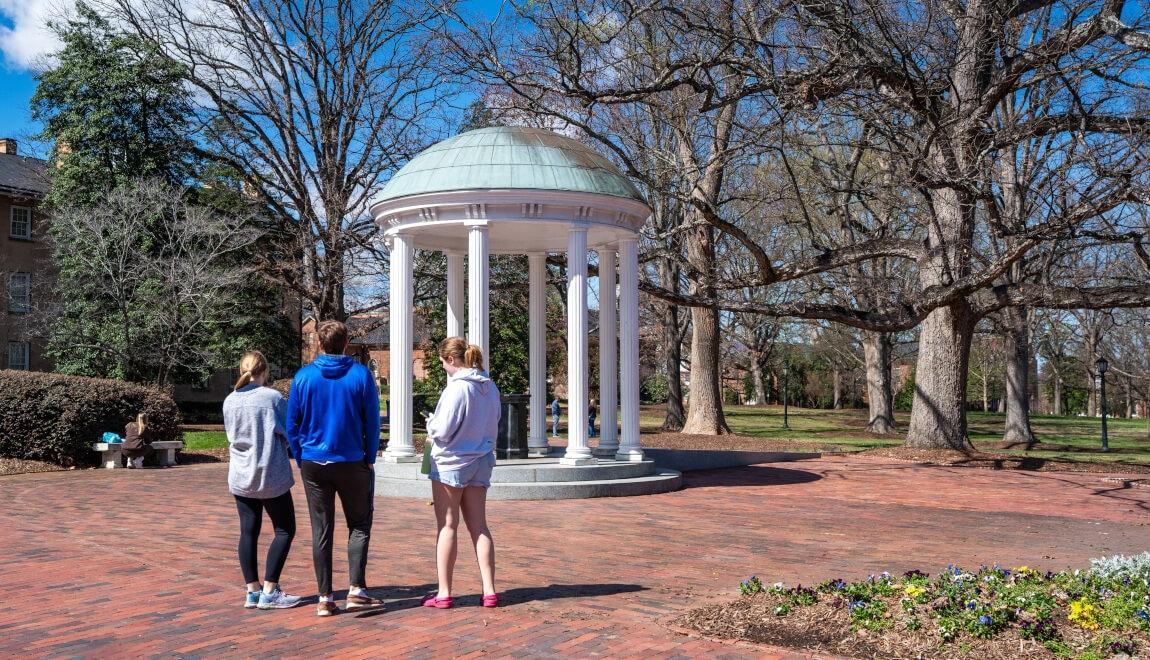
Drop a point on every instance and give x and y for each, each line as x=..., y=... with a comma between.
x=139, y=461
x=277, y=600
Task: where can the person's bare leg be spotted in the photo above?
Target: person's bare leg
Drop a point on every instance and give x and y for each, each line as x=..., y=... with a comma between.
x=474, y=506
x=446, y=501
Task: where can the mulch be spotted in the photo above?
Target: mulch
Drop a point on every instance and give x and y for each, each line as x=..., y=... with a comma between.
x=826, y=628
x=992, y=461
x=21, y=466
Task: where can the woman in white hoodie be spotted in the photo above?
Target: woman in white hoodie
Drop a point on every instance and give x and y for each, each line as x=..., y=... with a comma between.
x=462, y=430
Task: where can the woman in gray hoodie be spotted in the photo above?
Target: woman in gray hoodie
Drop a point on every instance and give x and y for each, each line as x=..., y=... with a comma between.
x=260, y=478
x=462, y=430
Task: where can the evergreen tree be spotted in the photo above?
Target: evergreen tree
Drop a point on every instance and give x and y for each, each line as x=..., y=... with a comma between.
x=115, y=109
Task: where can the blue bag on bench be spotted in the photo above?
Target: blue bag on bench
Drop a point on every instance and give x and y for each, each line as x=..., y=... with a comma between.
x=110, y=437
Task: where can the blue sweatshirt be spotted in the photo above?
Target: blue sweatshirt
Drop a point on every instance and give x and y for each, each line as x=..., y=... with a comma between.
x=333, y=412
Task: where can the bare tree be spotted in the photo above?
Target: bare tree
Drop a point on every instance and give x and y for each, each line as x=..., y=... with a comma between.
x=163, y=271
x=313, y=103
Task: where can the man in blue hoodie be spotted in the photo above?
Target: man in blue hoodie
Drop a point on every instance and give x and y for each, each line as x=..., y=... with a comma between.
x=333, y=430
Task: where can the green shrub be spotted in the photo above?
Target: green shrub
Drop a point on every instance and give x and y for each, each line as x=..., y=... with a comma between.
x=56, y=418
x=904, y=398
x=654, y=389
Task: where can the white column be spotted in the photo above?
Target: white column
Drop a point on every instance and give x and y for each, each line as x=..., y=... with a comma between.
x=537, y=313
x=629, y=449
x=400, y=448
x=578, y=453
x=456, y=314
x=478, y=290
x=608, y=365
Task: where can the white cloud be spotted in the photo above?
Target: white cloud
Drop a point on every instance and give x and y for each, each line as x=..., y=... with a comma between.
x=28, y=43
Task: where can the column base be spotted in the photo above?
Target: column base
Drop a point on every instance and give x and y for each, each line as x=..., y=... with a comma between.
x=580, y=460
x=606, y=451
x=389, y=457
x=630, y=455
x=538, y=452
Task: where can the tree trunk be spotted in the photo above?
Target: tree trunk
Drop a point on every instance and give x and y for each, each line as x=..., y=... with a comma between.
x=1092, y=398
x=938, y=416
x=837, y=373
x=705, y=410
x=1057, y=392
x=985, y=392
x=880, y=391
x=757, y=381
x=1129, y=400
x=674, y=352
x=1017, y=343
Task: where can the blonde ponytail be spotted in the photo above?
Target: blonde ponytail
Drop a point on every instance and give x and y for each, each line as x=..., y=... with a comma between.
x=252, y=365
x=473, y=357
x=467, y=355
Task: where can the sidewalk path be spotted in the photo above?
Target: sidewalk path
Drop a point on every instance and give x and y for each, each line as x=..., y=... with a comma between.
x=129, y=563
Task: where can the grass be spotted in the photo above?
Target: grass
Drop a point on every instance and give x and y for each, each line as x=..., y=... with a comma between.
x=1065, y=438
x=205, y=439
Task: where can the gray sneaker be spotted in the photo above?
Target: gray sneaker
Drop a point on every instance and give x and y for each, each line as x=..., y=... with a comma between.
x=277, y=600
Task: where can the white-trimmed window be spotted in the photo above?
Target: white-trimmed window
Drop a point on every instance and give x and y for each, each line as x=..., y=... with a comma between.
x=18, y=354
x=20, y=293
x=20, y=222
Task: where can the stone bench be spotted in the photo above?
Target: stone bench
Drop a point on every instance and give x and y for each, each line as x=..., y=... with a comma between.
x=165, y=452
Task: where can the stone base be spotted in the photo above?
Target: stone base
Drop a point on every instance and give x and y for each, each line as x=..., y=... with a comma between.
x=630, y=455
x=542, y=479
x=605, y=451
x=582, y=460
x=538, y=452
x=393, y=458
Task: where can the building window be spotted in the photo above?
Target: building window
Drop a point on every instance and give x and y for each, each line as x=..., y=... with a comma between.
x=20, y=293
x=20, y=224
x=18, y=355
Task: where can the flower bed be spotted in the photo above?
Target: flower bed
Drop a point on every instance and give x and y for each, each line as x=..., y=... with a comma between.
x=993, y=612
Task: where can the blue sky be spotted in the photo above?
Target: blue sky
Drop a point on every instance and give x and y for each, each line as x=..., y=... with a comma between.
x=22, y=40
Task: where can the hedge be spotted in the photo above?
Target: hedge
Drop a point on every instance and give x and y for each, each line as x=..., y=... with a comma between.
x=56, y=418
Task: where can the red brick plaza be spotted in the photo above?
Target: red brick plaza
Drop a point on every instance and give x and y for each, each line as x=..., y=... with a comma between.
x=130, y=563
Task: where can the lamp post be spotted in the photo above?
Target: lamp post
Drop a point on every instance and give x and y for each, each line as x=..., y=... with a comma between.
x=1102, y=365
x=786, y=386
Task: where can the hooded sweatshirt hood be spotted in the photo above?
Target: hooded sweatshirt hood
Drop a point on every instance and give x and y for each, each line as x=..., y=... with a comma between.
x=334, y=366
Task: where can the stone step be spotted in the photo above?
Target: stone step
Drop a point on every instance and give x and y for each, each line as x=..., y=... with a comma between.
x=534, y=470
x=658, y=481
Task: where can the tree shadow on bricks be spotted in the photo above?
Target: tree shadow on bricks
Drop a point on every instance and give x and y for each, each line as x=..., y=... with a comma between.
x=751, y=475
x=412, y=597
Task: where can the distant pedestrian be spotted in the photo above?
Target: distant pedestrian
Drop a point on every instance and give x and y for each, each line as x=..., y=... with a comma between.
x=137, y=444
x=555, y=416
x=591, y=410
x=260, y=478
x=462, y=430
x=333, y=428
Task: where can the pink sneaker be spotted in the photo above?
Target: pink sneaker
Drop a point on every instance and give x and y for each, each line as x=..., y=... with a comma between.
x=490, y=600
x=439, y=603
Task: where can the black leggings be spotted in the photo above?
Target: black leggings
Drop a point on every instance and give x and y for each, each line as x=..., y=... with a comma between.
x=281, y=510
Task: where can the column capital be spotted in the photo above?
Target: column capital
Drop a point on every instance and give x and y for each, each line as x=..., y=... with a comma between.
x=473, y=225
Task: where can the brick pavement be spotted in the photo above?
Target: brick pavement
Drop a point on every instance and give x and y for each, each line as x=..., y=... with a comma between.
x=130, y=563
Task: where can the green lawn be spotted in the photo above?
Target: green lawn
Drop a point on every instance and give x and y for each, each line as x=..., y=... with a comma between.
x=1072, y=438
x=205, y=439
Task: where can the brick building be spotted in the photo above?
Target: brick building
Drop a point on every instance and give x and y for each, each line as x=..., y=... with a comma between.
x=25, y=257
